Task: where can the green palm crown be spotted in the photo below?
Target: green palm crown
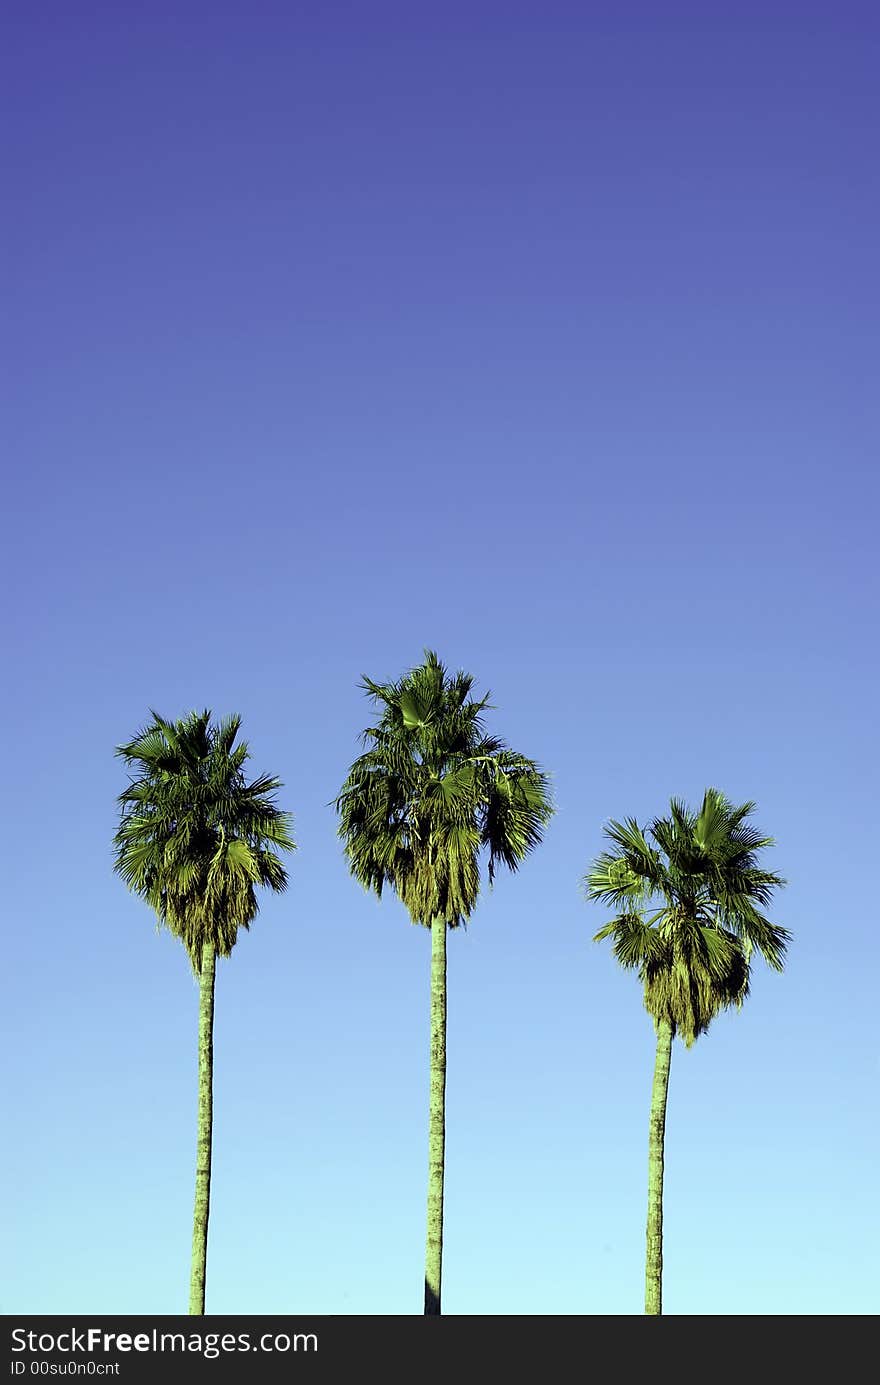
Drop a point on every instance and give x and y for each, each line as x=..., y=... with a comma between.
x=432, y=791
x=689, y=907
x=195, y=838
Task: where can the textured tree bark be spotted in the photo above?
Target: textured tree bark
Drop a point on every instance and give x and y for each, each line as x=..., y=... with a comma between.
x=436, y=1118
x=656, y=1138
x=203, y=1140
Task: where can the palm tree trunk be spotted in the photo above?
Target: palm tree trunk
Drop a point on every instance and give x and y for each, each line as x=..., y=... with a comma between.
x=203, y=1141
x=436, y=1118
x=656, y=1137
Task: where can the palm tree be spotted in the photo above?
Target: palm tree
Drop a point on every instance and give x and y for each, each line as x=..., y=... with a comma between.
x=194, y=840
x=416, y=809
x=688, y=920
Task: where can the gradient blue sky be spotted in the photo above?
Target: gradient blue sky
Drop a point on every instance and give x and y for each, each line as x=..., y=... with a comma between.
x=543, y=335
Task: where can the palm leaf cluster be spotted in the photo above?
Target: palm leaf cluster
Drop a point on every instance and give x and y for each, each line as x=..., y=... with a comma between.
x=195, y=838
x=432, y=791
x=689, y=895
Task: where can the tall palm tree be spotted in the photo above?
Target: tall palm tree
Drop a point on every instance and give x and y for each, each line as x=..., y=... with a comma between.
x=416, y=809
x=194, y=840
x=688, y=920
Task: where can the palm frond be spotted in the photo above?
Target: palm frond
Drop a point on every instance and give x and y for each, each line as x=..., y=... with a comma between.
x=194, y=838
x=693, y=952
x=431, y=791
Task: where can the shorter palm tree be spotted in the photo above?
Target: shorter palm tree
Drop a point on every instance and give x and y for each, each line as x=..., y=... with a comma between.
x=688, y=920
x=194, y=841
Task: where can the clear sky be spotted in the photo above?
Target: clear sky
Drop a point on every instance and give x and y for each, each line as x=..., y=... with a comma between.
x=544, y=335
